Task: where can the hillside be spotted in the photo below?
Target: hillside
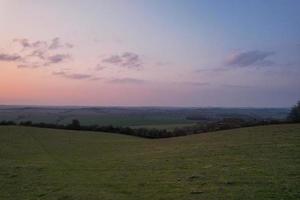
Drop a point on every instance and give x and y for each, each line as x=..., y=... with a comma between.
x=249, y=163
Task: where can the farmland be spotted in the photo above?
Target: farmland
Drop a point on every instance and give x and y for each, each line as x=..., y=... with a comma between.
x=153, y=117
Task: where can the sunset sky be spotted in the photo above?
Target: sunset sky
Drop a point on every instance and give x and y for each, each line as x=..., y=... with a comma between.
x=231, y=53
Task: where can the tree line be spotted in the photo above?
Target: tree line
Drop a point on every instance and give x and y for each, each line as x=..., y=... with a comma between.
x=225, y=124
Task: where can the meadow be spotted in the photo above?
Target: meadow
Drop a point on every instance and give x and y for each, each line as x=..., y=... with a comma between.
x=249, y=163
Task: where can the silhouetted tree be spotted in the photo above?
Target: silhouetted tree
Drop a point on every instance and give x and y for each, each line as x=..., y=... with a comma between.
x=294, y=115
x=26, y=123
x=7, y=123
x=75, y=124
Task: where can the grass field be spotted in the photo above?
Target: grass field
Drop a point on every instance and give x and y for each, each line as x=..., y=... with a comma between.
x=249, y=163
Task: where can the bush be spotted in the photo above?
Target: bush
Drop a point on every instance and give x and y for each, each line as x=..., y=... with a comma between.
x=26, y=123
x=294, y=115
x=7, y=123
x=75, y=125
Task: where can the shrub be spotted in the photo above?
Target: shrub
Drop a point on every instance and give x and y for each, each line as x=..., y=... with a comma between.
x=294, y=115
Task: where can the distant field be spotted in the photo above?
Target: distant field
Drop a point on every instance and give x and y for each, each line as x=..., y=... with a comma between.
x=133, y=116
x=126, y=120
x=249, y=163
x=100, y=116
x=169, y=127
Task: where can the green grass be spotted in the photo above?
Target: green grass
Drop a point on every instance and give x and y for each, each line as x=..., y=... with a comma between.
x=249, y=163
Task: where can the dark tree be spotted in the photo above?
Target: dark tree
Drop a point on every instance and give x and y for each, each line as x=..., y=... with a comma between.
x=294, y=115
x=26, y=123
x=75, y=124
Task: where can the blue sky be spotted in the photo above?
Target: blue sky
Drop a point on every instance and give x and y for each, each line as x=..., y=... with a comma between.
x=150, y=53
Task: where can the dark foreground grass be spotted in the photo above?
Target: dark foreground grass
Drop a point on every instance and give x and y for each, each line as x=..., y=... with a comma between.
x=249, y=163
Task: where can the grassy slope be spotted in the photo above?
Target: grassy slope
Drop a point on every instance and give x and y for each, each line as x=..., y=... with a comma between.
x=248, y=163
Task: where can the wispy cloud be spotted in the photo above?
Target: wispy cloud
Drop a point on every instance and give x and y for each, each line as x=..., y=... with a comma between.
x=96, y=78
x=79, y=76
x=27, y=44
x=237, y=86
x=127, y=81
x=54, y=44
x=128, y=60
x=59, y=73
x=161, y=63
x=194, y=83
x=37, y=53
x=131, y=60
x=76, y=76
x=10, y=57
x=114, y=59
x=31, y=65
x=57, y=44
x=100, y=67
x=248, y=58
x=217, y=70
x=58, y=58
